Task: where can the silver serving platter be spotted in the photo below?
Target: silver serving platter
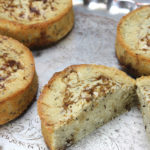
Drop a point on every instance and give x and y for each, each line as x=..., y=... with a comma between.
x=91, y=41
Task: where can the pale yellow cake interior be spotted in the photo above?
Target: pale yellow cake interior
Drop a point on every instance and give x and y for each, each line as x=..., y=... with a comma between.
x=143, y=91
x=79, y=100
x=70, y=94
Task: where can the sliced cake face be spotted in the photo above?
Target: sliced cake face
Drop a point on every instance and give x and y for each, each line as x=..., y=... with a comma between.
x=33, y=11
x=135, y=31
x=143, y=91
x=16, y=67
x=74, y=90
x=81, y=98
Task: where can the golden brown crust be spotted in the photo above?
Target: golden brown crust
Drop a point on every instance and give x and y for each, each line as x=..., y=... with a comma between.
x=47, y=138
x=20, y=85
x=128, y=57
x=18, y=102
x=40, y=34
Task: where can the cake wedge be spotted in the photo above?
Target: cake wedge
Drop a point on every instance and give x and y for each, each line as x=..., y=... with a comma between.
x=143, y=92
x=81, y=98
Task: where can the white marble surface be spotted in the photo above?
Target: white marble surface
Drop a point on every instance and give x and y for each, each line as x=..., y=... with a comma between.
x=91, y=41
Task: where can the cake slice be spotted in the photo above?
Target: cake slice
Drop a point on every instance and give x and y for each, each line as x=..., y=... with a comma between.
x=36, y=23
x=18, y=79
x=133, y=41
x=80, y=99
x=143, y=92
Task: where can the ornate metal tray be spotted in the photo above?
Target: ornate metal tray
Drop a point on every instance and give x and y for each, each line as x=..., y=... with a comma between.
x=91, y=41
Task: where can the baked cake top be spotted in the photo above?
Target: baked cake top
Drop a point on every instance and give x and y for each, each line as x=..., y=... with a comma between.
x=135, y=30
x=71, y=91
x=16, y=67
x=33, y=11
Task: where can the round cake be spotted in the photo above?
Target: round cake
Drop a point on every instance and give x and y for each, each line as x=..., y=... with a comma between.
x=36, y=23
x=133, y=41
x=18, y=79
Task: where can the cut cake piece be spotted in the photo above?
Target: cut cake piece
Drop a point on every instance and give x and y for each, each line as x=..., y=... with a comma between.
x=80, y=99
x=143, y=92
